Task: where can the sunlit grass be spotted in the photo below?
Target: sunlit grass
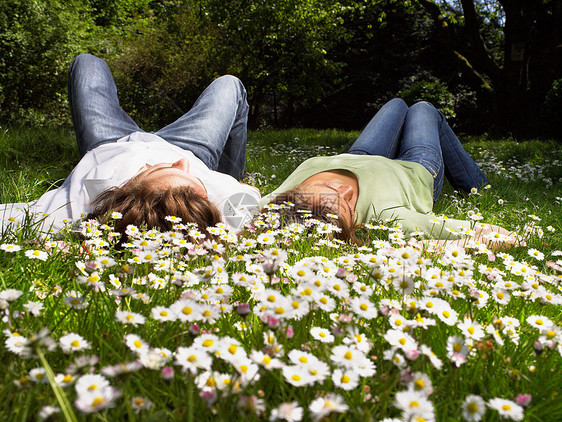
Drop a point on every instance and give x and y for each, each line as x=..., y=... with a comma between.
x=254, y=305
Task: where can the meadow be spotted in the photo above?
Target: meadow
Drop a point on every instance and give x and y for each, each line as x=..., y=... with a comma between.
x=284, y=323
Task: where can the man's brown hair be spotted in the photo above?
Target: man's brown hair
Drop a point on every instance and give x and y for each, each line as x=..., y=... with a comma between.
x=148, y=205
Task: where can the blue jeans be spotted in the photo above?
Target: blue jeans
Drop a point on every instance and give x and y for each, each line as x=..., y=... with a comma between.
x=420, y=134
x=215, y=129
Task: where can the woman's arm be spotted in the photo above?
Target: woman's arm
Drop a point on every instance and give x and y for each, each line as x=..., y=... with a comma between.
x=494, y=237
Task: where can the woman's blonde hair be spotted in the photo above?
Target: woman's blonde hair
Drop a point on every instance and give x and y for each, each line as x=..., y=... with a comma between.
x=142, y=204
x=316, y=209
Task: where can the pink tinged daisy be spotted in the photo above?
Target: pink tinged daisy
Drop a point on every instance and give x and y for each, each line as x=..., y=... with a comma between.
x=322, y=334
x=73, y=343
x=507, y=409
x=131, y=318
x=473, y=408
x=401, y=340
x=297, y=375
x=540, y=322
x=290, y=412
x=457, y=350
x=323, y=406
x=345, y=379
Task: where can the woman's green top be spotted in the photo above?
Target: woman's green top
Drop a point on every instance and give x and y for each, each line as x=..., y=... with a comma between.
x=388, y=189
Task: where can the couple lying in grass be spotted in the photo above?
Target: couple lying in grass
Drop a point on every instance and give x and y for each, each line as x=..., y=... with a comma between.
x=190, y=169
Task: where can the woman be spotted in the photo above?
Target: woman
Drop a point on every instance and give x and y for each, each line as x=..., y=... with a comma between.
x=188, y=169
x=394, y=170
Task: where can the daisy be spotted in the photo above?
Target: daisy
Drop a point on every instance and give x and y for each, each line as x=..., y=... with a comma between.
x=345, y=379
x=192, y=359
x=9, y=247
x=90, y=383
x=473, y=408
x=414, y=405
x=73, y=343
x=265, y=360
x=363, y=308
x=534, y=253
x=162, y=314
x=507, y=409
x=186, y=310
x=36, y=254
x=345, y=356
x=401, y=340
x=130, y=318
x=10, y=295
x=75, y=300
x=34, y=308
x=331, y=403
x=38, y=375
x=471, y=329
x=64, y=380
x=321, y=334
x=136, y=344
x=98, y=400
x=290, y=412
x=539, y=321
x=207, y=342
x=297, y=375
x=421, y=383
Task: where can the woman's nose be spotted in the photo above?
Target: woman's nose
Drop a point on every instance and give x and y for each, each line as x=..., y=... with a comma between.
x=182, y=164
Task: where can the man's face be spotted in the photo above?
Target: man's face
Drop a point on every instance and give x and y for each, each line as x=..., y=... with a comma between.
x=169, y=175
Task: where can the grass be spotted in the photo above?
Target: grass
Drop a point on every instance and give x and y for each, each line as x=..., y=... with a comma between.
x=79, y=290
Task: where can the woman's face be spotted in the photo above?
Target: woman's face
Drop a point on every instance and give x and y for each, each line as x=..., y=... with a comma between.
x=169, y=175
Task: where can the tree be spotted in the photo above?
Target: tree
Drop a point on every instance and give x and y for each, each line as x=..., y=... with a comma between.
x=516, y=81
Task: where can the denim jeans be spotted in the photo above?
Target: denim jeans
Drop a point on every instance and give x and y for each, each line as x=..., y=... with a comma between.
x=420, y=134
x=215, y=129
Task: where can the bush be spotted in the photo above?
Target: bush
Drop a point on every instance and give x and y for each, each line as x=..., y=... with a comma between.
x=434, y=92
x=38, y=39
